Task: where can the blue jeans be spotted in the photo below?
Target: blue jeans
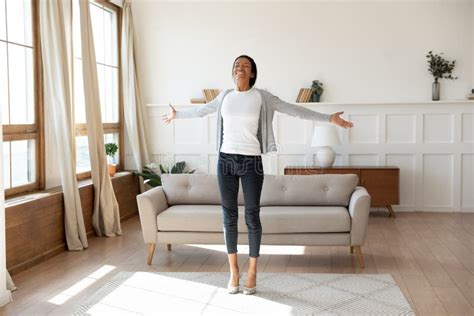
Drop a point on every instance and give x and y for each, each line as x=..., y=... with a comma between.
x=231, y=167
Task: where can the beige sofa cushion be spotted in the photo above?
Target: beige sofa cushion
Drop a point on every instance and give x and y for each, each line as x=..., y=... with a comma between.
x=321, y=189
x=324, y=189
x=304, y=219
x=193, y=189
x=274, y=219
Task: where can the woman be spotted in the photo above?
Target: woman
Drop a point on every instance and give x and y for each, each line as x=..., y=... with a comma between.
x=244, y=132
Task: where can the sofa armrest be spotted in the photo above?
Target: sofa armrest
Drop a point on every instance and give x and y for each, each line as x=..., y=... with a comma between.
x=150, y=204
x=359, y=208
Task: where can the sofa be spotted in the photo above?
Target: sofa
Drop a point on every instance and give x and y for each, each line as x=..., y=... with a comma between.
x=305, y=210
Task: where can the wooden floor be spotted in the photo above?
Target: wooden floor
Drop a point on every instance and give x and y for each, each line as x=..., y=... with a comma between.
x=430, y=255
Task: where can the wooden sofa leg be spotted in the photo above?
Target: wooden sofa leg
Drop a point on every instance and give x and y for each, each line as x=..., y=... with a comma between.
x=352, y=249
x=169, y=247
x=391, y=213
x=360, y=256
x=151, y=252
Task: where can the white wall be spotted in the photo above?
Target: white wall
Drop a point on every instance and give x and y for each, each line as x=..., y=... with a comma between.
x=361, y=50
x=433, y=149
x=472, y=41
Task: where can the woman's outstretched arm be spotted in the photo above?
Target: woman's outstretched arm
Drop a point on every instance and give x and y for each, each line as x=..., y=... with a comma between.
x=198, y=111
x=305, y=113
x=297, y=111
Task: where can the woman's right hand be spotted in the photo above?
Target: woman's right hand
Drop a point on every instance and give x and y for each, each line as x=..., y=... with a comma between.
x=167, y=118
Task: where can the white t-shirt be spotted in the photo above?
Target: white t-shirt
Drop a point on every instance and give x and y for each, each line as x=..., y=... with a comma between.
x=240, y=113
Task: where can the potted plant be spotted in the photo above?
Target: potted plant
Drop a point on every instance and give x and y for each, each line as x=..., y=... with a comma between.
x=316, y=90
x=440, y=68
x=110, y=151
x=153, y=177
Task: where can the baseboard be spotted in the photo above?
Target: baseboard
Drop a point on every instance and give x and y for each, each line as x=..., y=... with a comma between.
x=412, y=208
x=5, y=297
x=396, y=208
x=128, y=216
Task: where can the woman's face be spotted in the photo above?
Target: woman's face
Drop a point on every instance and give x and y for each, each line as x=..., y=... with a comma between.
x=242, y=70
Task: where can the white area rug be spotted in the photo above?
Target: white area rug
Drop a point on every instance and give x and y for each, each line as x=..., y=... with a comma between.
x=204, y=293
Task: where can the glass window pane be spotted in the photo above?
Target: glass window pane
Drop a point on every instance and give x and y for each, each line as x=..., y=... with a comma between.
x=6, y=165
x=107, y=37
x=97, y=20
x=114, y=36
x=111, y=107
x=19, y=21
x=112, y=138
x=79, y=104
x=76, y=29
x=20, y=64
x=4, y=83
x=83, y=162
x=102, y=90
x=110, y=37
x=3, y=21
x=23, y=162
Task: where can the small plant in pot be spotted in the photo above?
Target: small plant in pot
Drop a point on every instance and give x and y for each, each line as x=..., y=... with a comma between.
x=110, y=151
x=440, y=68
x=317, y=90
x=152, y=176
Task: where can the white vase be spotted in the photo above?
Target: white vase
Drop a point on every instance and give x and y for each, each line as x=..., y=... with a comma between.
x=326, y=156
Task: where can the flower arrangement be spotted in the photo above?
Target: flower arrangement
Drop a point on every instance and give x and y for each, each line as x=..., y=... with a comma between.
x=439, y=67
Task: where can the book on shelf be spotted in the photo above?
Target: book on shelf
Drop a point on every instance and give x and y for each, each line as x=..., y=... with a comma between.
x=307, y=95
x=304, y=95
x=298, y=98
x=198, y=101
x=210, y=94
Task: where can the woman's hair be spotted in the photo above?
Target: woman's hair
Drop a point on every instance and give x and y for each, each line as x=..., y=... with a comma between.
x=254, y=68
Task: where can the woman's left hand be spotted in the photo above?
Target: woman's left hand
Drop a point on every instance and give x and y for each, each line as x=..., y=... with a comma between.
x=340, y=121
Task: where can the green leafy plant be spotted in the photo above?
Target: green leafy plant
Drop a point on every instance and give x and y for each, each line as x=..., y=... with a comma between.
x=316, y=90
x=317, y=87
x=439, y=67
x=153, y=178
x=111, y=150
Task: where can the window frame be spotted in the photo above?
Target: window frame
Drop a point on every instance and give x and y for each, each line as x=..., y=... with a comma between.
x=13, y=132
x=109, y=128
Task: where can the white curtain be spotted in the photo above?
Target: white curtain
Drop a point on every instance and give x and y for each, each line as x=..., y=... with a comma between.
x=106, y=215
x=134, y=110
x=56, y=35
x=10, y=285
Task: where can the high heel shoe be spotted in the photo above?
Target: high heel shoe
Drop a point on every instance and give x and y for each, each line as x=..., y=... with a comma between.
x=233, y=289
x=250, y=290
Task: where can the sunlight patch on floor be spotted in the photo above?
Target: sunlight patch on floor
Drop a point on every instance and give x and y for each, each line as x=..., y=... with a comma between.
x=65, y=295
x=148, y=293
x=264, y=250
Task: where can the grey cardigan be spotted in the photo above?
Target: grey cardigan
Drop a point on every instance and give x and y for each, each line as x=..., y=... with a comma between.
x=270, y=104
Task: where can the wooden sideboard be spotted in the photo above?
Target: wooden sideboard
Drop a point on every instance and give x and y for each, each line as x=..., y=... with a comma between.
x=382, y=183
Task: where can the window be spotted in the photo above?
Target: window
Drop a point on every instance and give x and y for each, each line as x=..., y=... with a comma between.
x=20, y=101
x=105, y=27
